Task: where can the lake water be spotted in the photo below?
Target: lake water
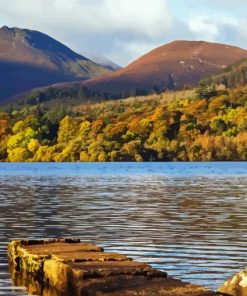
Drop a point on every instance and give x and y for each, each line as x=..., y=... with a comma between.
x=188, y=219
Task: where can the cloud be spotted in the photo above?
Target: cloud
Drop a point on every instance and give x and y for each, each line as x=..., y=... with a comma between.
x=145, y=17
x=241, y=35
x=131, y=50
x=123, y=30
x=222, y=5
x=74, y=21
x=203, y=28
x=218, y=28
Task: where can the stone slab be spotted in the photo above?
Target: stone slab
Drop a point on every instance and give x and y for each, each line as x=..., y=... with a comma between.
x=89, y=256
x=60, y=248
x=67, y=267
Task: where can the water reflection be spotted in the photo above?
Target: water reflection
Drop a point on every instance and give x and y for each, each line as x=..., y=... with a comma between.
x=27, y=282
x=193, y=227
x=31, y=285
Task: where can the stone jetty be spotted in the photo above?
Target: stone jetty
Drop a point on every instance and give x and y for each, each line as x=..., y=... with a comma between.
x=68, y=267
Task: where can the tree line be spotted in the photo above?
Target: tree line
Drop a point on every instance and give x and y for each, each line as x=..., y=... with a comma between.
x=206, y=126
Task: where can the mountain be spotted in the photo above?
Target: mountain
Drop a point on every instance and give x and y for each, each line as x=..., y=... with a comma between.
x=171, y=66
x=30, y=59
x=232, y=76
x=106, y=63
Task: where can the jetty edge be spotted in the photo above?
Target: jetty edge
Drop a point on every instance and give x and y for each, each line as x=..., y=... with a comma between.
x=74, y=268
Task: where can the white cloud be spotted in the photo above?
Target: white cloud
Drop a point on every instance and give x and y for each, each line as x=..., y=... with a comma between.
x=132, y=50
x=148, y=17
x=80, y=22
x=123, y=30
x=214, y=27
x=241, y=35
x=227, y=5
x=204, y=28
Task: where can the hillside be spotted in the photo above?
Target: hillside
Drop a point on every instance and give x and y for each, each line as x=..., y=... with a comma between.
x=29, y=59
x=171, y=67
x=167, y=127
x=232, y=76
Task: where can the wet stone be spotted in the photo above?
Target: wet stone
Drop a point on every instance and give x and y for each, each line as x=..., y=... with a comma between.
x=67, y=267
x=237, y=285
x=89, y=256
x=116, y=268
x=61, y=248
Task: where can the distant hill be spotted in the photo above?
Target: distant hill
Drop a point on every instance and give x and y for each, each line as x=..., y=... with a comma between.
x=232, y=76
x=106, y=63
x=30, y=59
x=171, y=66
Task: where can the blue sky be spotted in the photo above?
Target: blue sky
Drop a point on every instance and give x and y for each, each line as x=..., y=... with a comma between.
x=123, y=30
x=182, y=8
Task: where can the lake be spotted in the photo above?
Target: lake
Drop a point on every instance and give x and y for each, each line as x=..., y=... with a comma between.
x=188, y=219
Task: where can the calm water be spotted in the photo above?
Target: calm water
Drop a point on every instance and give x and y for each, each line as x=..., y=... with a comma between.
x=187, y=219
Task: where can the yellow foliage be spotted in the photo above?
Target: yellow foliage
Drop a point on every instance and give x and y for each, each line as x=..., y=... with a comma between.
x=44, y=154
x=18, y=127
x=85, y=127
x=170, y=126
x=102, y=157
x=138, y=158
x=18, y=154
x=84, y=157
x=33, y=145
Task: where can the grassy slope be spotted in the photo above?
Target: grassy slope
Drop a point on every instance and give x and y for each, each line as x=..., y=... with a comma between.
x=232, y=76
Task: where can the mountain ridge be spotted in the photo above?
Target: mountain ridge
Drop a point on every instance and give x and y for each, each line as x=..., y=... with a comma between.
x=172, y=66
x=31, y=59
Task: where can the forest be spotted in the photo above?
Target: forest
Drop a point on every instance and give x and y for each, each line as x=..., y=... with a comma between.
x=200, y=125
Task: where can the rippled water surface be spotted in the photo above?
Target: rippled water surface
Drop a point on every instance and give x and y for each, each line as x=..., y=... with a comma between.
x=187, y=219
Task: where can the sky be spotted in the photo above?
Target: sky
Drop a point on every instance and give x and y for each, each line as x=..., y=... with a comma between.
x=123, y=30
